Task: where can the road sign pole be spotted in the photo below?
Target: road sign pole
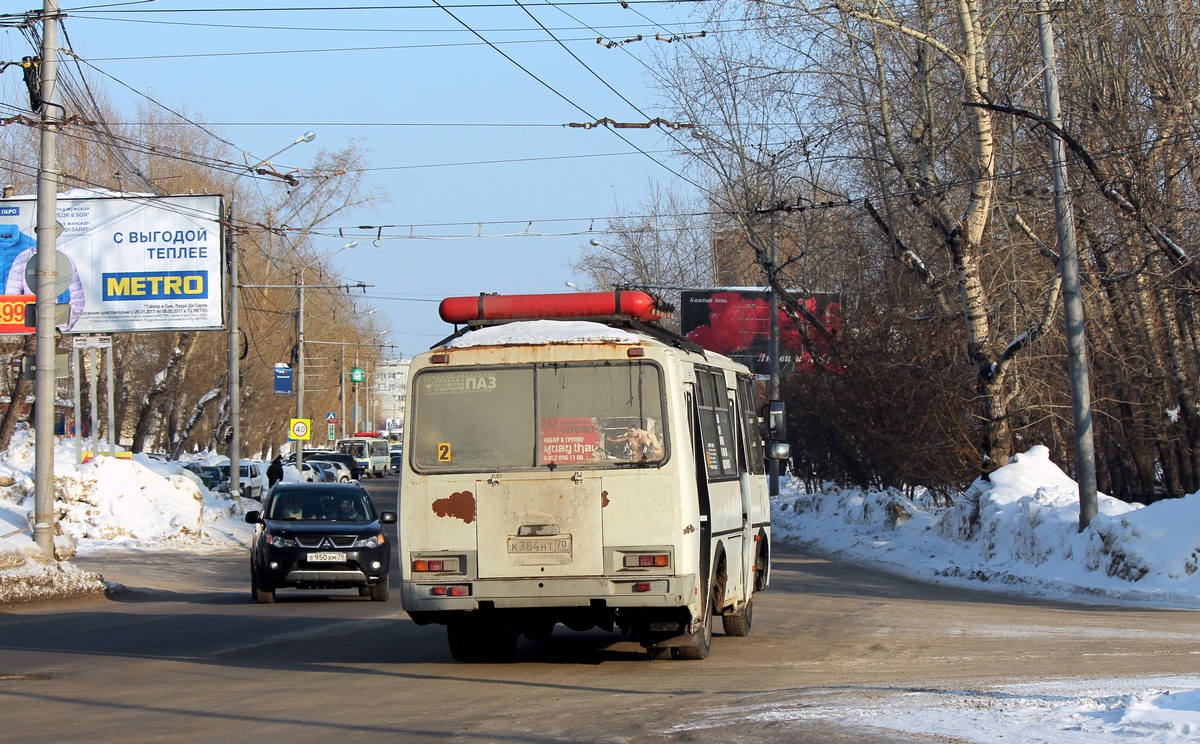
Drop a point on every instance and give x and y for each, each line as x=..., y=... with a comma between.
x=300, y=365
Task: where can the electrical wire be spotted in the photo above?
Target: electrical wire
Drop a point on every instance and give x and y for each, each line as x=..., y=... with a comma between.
x=325, y=30
x=558, y=93
x=233, y=169
x=345, y=8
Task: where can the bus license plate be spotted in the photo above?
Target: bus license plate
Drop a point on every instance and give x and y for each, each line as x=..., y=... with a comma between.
x=528, y=545
x=327, y=557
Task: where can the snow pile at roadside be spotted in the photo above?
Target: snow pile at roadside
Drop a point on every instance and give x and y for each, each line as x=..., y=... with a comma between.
x=1158, y=710
x=1019, y=531
x=108, y=502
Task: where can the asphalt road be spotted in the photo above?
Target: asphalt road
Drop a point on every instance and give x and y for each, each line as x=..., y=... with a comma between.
x=182, y=654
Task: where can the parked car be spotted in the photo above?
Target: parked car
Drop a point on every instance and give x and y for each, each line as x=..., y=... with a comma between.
x=319, y=536
x=316, y=471
x=329, y=456
x=338, y=472
x=251, y=477
x=210, y=475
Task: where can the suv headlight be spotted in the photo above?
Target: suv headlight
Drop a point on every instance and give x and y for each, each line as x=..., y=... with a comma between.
x=373, y=541
x=276, y=541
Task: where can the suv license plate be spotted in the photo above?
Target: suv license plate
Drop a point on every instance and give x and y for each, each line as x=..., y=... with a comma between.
x=327, y=557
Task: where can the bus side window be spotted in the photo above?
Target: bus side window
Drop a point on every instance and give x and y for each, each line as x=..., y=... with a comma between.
x=751, y=431
x=716, y=431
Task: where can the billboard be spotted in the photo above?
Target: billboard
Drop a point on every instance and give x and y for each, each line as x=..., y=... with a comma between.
x=138, y=263
x=736, y=322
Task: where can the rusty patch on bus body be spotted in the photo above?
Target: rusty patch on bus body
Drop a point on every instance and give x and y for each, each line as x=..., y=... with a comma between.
x=603, y=499
x=460, y=505
x=689, y=530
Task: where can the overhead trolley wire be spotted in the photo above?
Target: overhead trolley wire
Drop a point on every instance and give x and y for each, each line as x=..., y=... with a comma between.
x=343, y=8
x=558, y=93
x=325, y=29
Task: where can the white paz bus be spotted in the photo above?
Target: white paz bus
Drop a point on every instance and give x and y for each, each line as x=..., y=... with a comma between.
x=369, y=450
x=566, y=461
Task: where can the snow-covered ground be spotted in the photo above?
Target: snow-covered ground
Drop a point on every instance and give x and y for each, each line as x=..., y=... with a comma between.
x=1018, y=532
x=105, y=504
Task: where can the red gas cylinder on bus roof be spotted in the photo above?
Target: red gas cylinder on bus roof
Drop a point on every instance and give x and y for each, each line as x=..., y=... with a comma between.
x=633, y=304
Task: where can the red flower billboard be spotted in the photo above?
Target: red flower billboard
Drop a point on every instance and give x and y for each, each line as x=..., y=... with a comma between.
x=737, y=323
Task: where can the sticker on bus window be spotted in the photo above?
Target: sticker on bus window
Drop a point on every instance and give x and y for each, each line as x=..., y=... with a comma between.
x=443, y=452
x=574, y=439
x=639, y=444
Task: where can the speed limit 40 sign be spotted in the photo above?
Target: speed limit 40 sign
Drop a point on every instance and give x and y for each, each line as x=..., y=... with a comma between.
x=300, y=429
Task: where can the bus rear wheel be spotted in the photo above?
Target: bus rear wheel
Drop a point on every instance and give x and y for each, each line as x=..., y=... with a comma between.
x=472, y=641
x=738, y=624
x=700, y=650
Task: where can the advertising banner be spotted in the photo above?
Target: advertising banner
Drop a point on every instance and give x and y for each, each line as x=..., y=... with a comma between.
x=737, y=323
x=283, y=379
x=138, y=263
x=570, y=440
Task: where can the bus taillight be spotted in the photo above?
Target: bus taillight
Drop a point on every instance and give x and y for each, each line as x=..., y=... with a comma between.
x=435, y=565
x=657, y=560
x=457, y=590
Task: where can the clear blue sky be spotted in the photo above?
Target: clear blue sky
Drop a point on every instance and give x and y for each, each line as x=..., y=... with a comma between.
x=432, y=103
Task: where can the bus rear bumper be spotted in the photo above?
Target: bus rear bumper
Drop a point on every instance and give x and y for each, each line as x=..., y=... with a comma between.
x=650, y=591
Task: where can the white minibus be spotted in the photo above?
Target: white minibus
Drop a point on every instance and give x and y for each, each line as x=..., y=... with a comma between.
x=568, y=462
x=371, y=453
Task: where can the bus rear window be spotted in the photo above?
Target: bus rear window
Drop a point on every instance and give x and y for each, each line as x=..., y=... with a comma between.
x=523, y=417
x=600, y=415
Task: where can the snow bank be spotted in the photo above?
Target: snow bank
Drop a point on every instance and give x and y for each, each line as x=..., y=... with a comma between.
x=108, y=502
x=1019, y=529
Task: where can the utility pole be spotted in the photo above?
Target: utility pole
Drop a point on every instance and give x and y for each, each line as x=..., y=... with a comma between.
x=368, y=415
x=300, y=369
x=1068, y=263
x=342, y=390
x=46, y=333
x=773, y=352
x=342, y=376
x=235, y=370
x=300, y=286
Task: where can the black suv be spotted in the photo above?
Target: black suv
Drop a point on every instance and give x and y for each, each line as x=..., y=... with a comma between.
x=319, y=536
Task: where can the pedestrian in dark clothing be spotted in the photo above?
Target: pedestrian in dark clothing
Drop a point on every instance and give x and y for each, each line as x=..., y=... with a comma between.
x=275, y=471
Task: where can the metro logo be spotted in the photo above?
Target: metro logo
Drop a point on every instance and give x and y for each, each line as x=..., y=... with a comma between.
x=156, y=285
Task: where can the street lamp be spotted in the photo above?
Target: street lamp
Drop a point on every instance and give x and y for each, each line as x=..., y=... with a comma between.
x=235, y=372
x=300, y=353
x=371, y=342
